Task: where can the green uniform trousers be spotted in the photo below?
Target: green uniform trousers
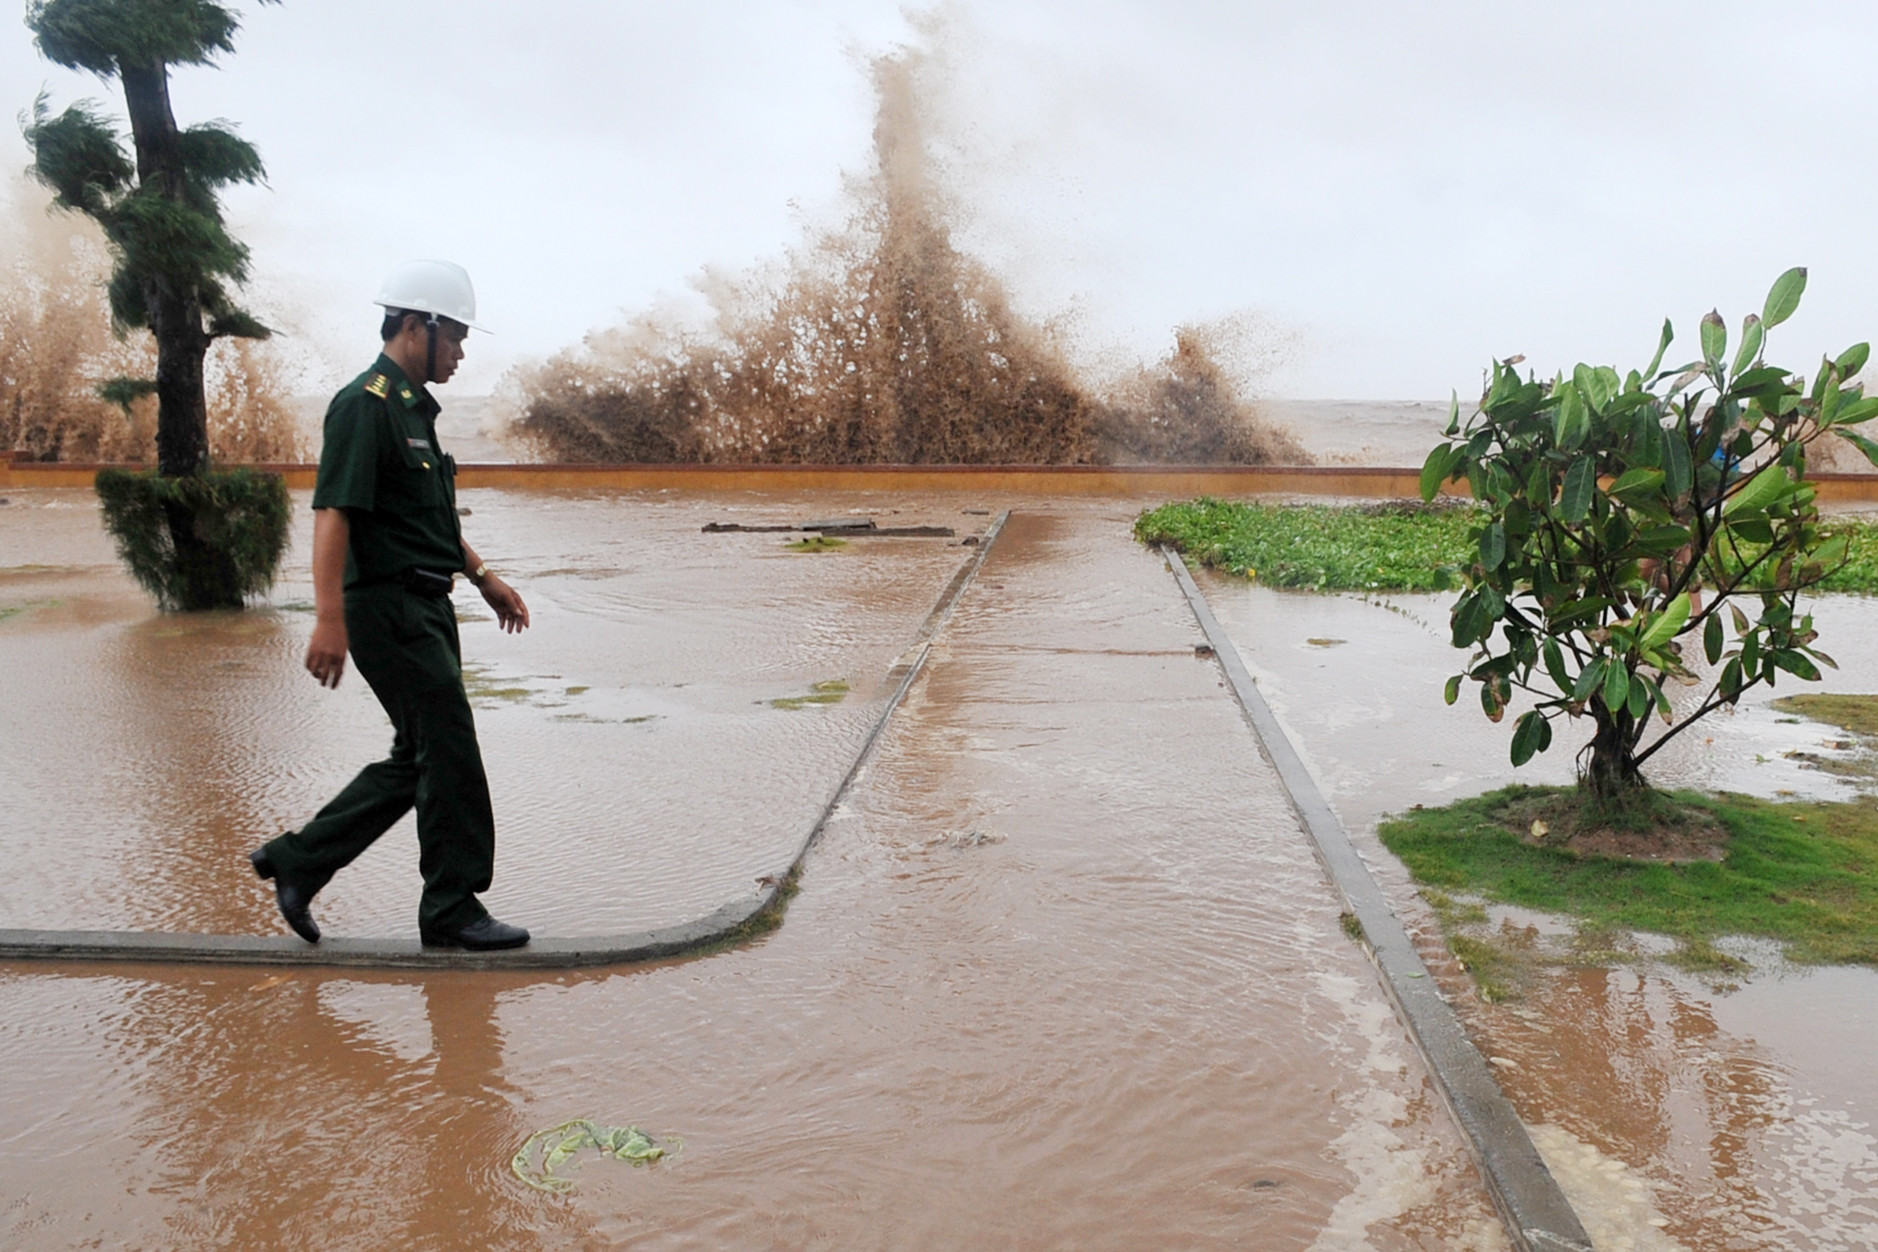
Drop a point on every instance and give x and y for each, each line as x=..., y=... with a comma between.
x=406, y=647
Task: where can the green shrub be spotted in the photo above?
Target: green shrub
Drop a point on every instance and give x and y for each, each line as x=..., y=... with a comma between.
x=207, y=541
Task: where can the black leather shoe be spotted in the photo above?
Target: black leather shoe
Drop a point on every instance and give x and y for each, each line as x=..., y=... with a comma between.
x=485, y=934
x=294, y=900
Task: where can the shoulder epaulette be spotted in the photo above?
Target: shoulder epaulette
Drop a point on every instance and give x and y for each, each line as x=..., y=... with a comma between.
x=378, y=386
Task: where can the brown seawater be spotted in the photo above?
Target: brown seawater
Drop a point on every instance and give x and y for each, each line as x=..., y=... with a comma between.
x=1063, y=971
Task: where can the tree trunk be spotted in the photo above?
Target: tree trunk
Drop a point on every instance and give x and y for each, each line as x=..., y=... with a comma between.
x=1611, y=773
x=175, y=314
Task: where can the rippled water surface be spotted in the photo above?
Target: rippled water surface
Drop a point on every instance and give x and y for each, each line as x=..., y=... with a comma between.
x=1063, y=972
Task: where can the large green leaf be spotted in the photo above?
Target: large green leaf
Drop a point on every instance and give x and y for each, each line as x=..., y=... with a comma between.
x=1641, y=479
x=1581, y=480
x=1752, y=335
x=1784, y=297
x=1662, y=346
x=1797, y=664
x=1598, y=385
x=1661, y=540
x=1468, y=619
x=1761, y=380
x=1589, y=680
x=1860, y=410
x=1714, y=337
x=1436, y=468
x=1530, y=734
x=1639, y=701
x=1732, y=680
x=1616, y=686
x=1493, y=545
x=1712, y=640
x=1677, y=476
x=1490, y=702
x=1555, y=666
x=1853, y=359
x=1571, y=612
x=1867, y=446
x=1568, y=417
x=1767, y=486
x=1666, y=624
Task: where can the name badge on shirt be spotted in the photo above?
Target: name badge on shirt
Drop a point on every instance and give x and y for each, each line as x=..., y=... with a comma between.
x=418, y=443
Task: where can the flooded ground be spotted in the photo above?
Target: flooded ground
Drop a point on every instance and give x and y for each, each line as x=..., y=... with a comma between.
x=1734, y=1115
x=657, y=654
x=1062, y=973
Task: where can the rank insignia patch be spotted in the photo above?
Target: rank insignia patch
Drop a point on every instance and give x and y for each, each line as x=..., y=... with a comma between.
x=378, y=386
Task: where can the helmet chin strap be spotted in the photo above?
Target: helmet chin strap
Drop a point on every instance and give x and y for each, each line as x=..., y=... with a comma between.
x=430, y=359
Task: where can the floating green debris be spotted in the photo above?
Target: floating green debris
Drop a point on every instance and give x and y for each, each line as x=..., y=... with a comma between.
x=14, y=610
x=817, y=543
x=590, y=719
x=559, y=1144
x=488, y=690
x=833, y=691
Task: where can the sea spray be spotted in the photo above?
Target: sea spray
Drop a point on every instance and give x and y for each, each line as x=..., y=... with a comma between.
x=57, y=346
x=881, y=342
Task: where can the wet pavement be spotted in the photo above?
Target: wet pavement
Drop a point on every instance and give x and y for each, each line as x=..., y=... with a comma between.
x=1063, y=971
x=1678, y=1112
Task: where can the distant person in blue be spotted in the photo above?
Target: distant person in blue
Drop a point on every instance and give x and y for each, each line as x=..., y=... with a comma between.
x=387, y=546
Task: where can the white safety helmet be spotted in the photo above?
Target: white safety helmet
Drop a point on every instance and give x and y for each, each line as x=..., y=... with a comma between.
x=441, y=288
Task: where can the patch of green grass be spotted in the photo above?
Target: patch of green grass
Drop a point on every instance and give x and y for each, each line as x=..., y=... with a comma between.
x=765, y=920
x=1388, y=547
x=834, y=691
x=1352, y=927
x=1381, y=547
x=1699, y=956
x=1455, y=913
x=1858, y=714
x=1494, y=969
x=816, y=543
x=1804, y=875
x=1860, y=573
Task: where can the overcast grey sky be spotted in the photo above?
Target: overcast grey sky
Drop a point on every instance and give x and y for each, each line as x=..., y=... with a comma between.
x=1411, y=188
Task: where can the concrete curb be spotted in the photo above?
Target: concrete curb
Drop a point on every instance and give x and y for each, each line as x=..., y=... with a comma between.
x=1538, y=1217
x=724, y=925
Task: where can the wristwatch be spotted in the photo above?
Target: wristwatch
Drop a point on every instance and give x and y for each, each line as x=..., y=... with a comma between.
x=479, y=573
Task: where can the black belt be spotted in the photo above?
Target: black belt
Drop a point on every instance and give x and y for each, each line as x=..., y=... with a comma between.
x=423, y=582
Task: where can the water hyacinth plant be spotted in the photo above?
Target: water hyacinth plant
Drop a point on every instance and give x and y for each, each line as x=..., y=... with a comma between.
x=1631, y=520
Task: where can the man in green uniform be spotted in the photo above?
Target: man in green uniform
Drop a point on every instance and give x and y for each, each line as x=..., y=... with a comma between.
x=387, y=544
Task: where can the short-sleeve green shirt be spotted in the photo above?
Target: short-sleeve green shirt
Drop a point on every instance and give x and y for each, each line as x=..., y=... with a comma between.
x=381, y=463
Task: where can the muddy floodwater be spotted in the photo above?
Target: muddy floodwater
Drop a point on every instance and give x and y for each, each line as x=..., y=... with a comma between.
x=1062, y=973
